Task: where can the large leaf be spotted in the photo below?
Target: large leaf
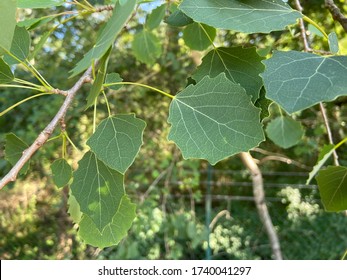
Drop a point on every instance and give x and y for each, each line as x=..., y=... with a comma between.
x=113, y=232
x=298, y=80
x=107, y=36
x=332, y=184
x=61, y=172
x=98, y=189
x=20, y=46
x=14, y=149
x=240, y=65
x=214, y=119
x=6, y=75
x=7, y=23
x=35, y=4
x=117, y=141
x=146, y=47
x=284, y=131
x=249, y=16
x=199, y=36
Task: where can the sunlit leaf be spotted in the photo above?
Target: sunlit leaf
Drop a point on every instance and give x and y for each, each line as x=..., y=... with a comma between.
x=7, y=23
x=74, y=209
x=199, y=36
x=14, y=148
x=61, y=172
x=35, y=4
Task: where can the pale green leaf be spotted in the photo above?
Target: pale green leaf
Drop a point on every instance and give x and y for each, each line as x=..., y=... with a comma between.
x=33, y=23
x=62, y=172
x=7, y=23
x=214, y=119
x=284, y=131
x=146, y=47
x=107, y=36
x=113, y=232
x=111, y=79
x=14, y=148
x=6, y=75
x=332, y=184
x=155, y=17
x=36, y=4
x=178, y=19
x=251, y=16
x=98, y=189
x=199, y=36
x=240, y=65
x=20, y=46
x=298, y=80
x=117, y=141
x=333, y=42
x=74, y=209
x=314, y=30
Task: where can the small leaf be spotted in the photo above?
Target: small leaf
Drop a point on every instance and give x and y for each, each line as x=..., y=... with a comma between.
x=107, y=36
x=156, y=16
x=74, y=209
x=8, y=23
x=33, y=23
x=214, y=119
x=111, y=79
x=146, y=47
x=284, y=131
x=178, y=19
x=332, y=184
x=113, y=232
x=62, y=172
x=6, y=75
x=14, y=149
x=195, y=37
x=298, y=80
x=333, y=42
x=252, y=16
x=117, y=141
x=240, y=65
x=97, y=189
x=36, y=4
x=20, y=46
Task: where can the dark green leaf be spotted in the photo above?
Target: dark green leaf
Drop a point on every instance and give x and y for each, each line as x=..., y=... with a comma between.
x=155, y=18
x=7, y=23
x=251, y=16
x=113, y=232
x=6, y=75
x=298, y=80
x=284, y=131
x=36, y=4
x=263, y=103
x=117, y=141
x=199, y=36
x=107, y=36
x=240, y=65
x=98, y=189
x=178, y=18
x=214, y=119
x=14, y=149
x=62, y=172
x=332, y=184
x=113, y=78
x=20, y=46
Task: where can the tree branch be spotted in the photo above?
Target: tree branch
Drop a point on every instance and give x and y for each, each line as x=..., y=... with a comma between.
x=47, y=132
x=336, y=13
x=259, y=197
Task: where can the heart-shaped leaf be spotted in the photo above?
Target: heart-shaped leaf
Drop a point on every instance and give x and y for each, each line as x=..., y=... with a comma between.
x=62, y=172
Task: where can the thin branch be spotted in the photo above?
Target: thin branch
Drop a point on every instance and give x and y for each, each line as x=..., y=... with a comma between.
x=336, y=13
x=47, y=132
x=259, y=197
x=222, y=213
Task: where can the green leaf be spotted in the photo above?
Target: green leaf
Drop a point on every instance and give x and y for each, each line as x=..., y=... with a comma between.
x=74, y=209
x=6, y=75
x=36, y=4
x=263, y=103
x=333, y=42
x=62, y=172
x=332, y=184
x=7, y=18
x=39, y=45
x=113, y=78
x=156, y=16
x=178, y=19
x=117, y=141
x=98, y=189
x=107, y=36
x=33, y=23
x=20, y=46
x=14, y=148
x=298, y=80
x=146, y=47
x=284, y=131
x=240, y=65
x=113, y=232
x=250, y=16
x=195, y=37
x=214, y=119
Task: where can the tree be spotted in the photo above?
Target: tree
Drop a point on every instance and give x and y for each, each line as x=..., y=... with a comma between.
x=220, y=113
